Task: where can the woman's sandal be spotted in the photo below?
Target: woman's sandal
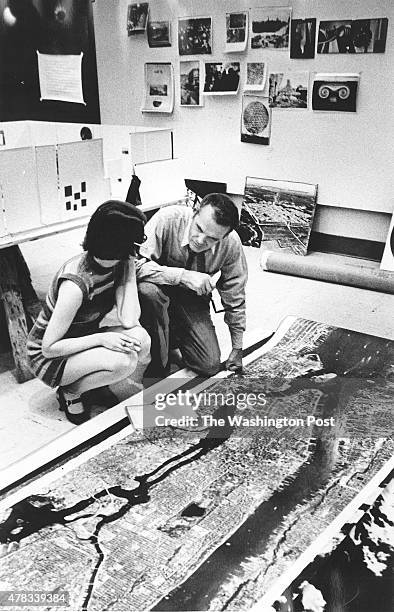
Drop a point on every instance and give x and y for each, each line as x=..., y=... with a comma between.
x=64, y=404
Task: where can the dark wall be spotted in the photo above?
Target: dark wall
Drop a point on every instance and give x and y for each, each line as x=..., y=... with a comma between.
x=53, y=27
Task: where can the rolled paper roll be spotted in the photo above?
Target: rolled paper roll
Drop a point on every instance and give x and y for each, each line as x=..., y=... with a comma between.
x=337, y=269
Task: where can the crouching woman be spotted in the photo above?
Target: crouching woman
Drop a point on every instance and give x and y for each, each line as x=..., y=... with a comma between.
x=66, y=347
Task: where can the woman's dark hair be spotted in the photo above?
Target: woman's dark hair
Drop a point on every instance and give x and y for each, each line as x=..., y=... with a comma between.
x=114, y=230
x=225, y=211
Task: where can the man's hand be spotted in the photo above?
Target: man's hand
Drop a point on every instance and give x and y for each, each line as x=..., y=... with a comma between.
x=234, y=361
x=199, y=282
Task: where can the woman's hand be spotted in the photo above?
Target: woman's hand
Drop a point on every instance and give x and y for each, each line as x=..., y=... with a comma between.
x=118, y=341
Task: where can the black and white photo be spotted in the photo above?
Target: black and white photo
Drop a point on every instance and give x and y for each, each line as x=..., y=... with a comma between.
x=269, y=27
x=159, y=88
x=256, y=76
x=159, y=33
x=302, y=38
x=352, y=36
x=137, y=18
x=335, y=92
x=221, y=78
x=255, y=119
x=195, y=36
x=283, y=211
x=236, y=31
x=190, y=83
x=288, y=89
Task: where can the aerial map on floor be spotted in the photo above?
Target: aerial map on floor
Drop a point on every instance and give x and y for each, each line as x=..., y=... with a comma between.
x=207, y=512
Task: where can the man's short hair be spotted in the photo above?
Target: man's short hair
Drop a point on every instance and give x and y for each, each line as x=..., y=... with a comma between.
x=225, y=211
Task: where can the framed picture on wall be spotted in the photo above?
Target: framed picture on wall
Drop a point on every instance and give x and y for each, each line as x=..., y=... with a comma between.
x=137, y=18
x=255, y=119
x=302, y=38
x=190, y=83
x=195, y=35
x=221, y=78
x=159, y=88
x=159, y=33
x=269, y=27
x=288, y=89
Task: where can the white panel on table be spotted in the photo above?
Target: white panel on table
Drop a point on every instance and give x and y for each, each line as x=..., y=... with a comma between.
x=47, y=184
x=16, y=134
x=71, y=132
x=18, y=184
x=150, y=145
x=81, y=178
x=43, y=133
x=162, y=182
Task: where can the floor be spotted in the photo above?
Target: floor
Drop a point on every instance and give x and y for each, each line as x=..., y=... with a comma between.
x=29, y=416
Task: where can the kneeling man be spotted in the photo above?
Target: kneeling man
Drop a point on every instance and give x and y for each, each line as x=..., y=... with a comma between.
x=183, y=250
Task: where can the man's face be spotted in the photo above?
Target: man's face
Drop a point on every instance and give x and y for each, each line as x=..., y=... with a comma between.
x=204, y=231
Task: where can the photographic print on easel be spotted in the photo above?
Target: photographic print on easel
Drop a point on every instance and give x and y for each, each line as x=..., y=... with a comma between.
x=221, y=78
x=195, y=35
x=352, y=36
x=255, y=120
x=335, y=92
x=269, y=27
x=137, y=18
x=159, y=88
x=283, y=211
x=288, y=89
x=237, y=25
x=190, y=83
x=159, y=34
x=256, y=76
x=302, y=38
x=387, y=262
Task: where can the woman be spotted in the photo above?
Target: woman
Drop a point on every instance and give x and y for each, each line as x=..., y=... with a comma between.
x=66, y=347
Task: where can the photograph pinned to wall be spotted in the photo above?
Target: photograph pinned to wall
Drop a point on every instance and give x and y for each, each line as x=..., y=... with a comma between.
x=288, y=89
x=352, y=36
x=255, y=119
x=221, y=78
x=195, y=35
x=335, y=92
x=302, y=38
x=256, y=76
x=387, y=262
x=237, y=25
x=269, y=27
x=159, y=88
x=137, y=18
x=159, y=33
x=281, y=213
x=191, y=83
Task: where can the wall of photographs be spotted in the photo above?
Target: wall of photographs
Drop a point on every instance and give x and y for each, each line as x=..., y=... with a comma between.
x=321, y=113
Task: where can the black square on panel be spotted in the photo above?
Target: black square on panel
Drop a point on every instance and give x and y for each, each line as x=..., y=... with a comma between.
x=77, y=196
x=68, y=191
x=83, y=202
x=75, y=207
x=68, y=205
x=83, y=186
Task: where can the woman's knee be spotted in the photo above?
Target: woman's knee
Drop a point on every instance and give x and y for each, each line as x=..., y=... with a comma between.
x=142, y=335
x=122, y=363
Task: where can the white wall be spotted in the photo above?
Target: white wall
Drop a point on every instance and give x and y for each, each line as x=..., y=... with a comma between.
x=349, y=155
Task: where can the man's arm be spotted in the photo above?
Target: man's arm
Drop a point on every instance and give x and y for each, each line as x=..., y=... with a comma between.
x=147, y=267
x=231, y=287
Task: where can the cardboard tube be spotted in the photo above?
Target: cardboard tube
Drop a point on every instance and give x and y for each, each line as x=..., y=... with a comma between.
x=319, y=267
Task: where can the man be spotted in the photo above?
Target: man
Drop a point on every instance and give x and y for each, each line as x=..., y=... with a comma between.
x=183, y=250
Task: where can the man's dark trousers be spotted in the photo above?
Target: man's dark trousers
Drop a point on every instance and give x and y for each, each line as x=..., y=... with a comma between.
x=178, y=317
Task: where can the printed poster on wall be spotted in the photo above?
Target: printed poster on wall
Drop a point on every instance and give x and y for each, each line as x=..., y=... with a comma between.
x=255, y=119
x=60, y=77
x=237, y=25
x=269, y=27
x=159, y=88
